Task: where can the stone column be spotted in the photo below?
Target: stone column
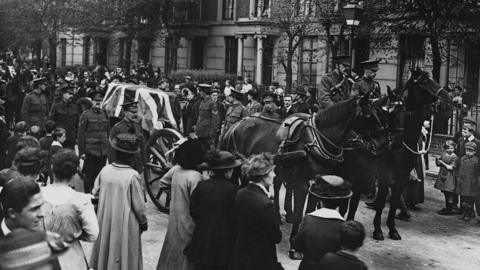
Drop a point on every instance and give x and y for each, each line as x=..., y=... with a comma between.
x=240, y=54
x=259, y=65
x=251, y=10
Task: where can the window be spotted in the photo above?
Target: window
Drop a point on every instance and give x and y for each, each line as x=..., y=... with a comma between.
x=308, y=64
x=231, y=48
x=412, y=54
x=63, y=52
x=262, y=8
x=227, y=13
x=86, y=51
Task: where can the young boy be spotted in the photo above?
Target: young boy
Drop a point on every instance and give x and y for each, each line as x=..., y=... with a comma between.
x=46, y=141
x=468, y=180
x=352, y=234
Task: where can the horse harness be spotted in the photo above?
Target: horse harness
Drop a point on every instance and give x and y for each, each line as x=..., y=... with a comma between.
x=300, y=124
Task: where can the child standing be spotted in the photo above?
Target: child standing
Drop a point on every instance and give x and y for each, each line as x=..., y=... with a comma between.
x=446, y=177
x=467, y=180
x=59, y=136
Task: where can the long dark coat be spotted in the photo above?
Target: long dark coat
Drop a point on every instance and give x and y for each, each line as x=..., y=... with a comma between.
x=258, y=231
x=211, y=208
x=190, y=116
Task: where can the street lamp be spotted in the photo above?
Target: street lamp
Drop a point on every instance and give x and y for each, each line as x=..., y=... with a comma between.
x=353, y=13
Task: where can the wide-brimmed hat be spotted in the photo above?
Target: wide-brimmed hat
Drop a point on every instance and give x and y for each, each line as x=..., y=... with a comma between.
x=206, y=88
x=24, y=249
x=218, y=160
x=331, y=187
x=40, y=81
x=471, y=146
x=126, y=142
x=127, y=104
x=341, y=59
x=370, y=64
x=469, y=122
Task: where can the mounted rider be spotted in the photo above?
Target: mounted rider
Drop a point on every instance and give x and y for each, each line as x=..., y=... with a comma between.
x=334, y=86
x=368, y=84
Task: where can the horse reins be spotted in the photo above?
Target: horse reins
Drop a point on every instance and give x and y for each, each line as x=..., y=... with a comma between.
x=429, y=141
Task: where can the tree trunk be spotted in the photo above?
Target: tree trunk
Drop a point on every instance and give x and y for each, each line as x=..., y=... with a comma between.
x=437, y=58
x=144, y=49
x=128, y=54
x=38, y=51
x=52, y=51
x=288, y=69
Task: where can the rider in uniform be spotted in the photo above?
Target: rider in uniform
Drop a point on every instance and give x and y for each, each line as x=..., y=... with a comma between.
x=368, y=84
x=334, y=86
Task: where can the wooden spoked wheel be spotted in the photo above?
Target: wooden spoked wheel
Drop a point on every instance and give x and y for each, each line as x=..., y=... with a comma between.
x=158, y=161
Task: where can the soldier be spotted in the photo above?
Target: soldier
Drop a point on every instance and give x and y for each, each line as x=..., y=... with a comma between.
x=298, y=97
x=93, y=142
x=208, y=117
x=368, y=84
x=129, y=124
x=334, y=86
x=65, y=115
x=35, y=107
x=235, y=111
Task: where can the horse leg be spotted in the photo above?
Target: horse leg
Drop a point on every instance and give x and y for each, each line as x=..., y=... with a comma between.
x=395, y=197
x=353, y=206
x=299, y=196
x=380, y=204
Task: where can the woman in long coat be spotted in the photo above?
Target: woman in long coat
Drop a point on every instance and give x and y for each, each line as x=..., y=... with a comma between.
x=211, y=209
x=258, y=229
x=183, y=179
x=121, y=210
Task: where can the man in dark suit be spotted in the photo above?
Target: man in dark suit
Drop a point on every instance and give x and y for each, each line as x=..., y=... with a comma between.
x=21, y=202
x=19, y=131
x=258, y=230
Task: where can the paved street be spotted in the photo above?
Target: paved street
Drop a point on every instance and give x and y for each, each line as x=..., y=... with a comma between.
x=429, y=240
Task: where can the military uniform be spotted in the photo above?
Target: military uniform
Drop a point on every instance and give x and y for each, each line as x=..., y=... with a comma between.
x=65, y=115
x=208, y=120
x=366, y=85
x=235, y=113
x=128, y=126
x=35, y=109
x=328, y=94
x=93, y=132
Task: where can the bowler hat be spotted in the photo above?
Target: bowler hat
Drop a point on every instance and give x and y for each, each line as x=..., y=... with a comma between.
x=341, y=59
x=370, y=64
x=126, y=142
x=471, y=146
x=24, y=249
x=300, y=90
x=218, y=160
x=331, y=187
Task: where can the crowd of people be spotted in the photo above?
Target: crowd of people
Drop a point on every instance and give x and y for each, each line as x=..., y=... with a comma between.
x=51, y=122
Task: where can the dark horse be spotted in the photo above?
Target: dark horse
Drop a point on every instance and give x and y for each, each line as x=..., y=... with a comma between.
x=320, y=137
x=401, y=129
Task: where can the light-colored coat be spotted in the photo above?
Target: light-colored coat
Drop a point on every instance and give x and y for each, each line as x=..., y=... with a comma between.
x=121, y=210
x=180, y=223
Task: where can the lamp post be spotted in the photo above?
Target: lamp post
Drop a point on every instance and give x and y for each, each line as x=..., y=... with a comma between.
x=353, y=13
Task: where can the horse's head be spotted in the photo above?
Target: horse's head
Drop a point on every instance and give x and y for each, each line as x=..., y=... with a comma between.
x=421, y=90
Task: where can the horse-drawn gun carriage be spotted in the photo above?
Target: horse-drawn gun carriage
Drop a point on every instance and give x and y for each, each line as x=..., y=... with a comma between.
x=160, y=131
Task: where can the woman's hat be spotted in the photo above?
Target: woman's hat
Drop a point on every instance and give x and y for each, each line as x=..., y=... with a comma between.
x=218, y=160
x=236, y=94
x=331, y=187
x=126, y=142
x=471, y=146
x=258, y=165
x=23, y=249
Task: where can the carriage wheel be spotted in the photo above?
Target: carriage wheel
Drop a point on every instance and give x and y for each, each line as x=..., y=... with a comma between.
x=158, y=162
